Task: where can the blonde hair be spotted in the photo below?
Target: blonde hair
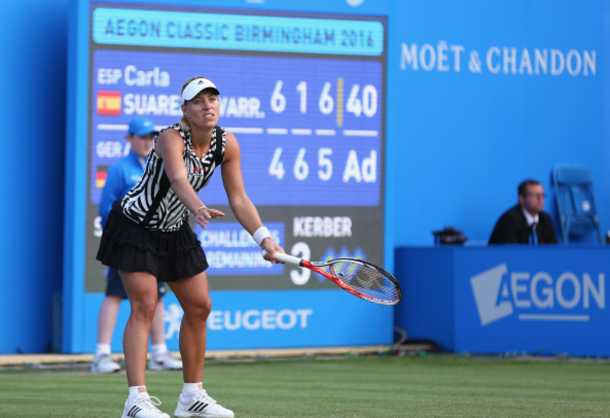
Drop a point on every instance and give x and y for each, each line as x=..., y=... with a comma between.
x=184, y=124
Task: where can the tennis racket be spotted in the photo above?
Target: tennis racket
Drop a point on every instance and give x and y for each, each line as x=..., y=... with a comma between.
x=359, y=277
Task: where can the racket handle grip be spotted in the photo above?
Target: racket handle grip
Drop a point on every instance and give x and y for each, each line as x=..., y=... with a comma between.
x=285, y=258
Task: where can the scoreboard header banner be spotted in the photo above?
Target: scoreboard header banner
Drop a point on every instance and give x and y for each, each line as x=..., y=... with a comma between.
x=237, y=32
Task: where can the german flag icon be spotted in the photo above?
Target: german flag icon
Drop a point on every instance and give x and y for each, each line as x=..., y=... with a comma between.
x=100, y=178
x=108, y=102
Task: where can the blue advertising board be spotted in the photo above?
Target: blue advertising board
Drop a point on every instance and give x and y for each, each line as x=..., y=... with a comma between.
x=265, y=319
x=547, y=300
x=502, y=299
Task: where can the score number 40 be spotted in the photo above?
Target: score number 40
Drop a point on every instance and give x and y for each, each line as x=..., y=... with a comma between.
x=354, y=170
x=366, y=103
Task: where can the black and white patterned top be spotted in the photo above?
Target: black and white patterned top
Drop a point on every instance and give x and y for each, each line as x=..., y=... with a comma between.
x=152, y=202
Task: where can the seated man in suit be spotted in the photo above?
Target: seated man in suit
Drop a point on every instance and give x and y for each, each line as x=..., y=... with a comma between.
x=526, y=223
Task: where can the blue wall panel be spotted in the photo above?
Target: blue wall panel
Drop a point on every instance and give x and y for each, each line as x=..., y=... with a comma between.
x=464, y=139
x=428, y=306
x=33, y=42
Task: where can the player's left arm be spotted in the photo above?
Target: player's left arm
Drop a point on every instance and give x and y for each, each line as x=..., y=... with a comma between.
x=240, y=203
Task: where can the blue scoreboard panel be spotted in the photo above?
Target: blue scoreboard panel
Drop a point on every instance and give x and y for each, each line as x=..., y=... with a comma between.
x=304, y=95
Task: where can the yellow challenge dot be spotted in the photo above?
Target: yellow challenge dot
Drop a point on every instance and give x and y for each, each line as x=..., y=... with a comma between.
x=340, y=102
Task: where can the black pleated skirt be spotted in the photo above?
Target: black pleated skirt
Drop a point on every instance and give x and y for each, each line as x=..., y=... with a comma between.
x=169, y=256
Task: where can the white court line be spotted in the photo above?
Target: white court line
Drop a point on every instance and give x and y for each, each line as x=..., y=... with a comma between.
x=245, y=130
x=534, y=317
x=110, y=127
x=277, y=131
x=300, y=131
x=325, y=132
x=353, y=132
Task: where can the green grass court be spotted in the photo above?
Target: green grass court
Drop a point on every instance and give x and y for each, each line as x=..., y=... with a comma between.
x=367, y=387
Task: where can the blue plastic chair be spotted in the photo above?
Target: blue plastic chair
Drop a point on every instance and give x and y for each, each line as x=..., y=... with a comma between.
x=576, y=202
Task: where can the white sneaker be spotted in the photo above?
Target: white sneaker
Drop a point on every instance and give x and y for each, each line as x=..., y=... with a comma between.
x=143, y=406
x=164, y=361
x=104, y=364
x=201, y=405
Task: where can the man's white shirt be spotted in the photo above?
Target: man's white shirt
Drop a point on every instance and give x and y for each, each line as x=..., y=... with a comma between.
x=529, y=218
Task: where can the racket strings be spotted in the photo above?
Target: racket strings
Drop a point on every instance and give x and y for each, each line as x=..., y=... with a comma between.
x=366, y=280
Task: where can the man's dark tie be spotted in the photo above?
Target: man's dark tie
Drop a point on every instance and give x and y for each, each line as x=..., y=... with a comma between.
x=533, y=234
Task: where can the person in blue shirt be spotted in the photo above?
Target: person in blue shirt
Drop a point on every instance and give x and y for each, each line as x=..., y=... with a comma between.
x=122, y=176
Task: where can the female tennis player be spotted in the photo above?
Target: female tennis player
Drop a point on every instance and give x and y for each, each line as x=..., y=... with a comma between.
x=148, y=239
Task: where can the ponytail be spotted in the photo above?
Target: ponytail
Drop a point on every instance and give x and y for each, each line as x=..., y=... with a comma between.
x=184, y=124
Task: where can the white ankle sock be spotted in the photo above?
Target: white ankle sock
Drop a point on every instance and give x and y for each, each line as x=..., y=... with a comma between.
x=102, y=349
x=135, y=391
x=158, y=349
x=191, y=388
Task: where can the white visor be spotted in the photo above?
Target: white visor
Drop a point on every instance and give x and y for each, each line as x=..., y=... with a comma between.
x=197, y=85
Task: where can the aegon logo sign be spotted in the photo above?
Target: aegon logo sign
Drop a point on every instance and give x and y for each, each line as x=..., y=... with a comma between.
x=499, y=294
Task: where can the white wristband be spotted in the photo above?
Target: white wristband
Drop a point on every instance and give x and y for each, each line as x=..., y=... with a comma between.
x=198, y=209
x=260, y=234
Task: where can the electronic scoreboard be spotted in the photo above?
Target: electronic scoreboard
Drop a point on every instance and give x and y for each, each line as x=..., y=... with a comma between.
x=302, y=93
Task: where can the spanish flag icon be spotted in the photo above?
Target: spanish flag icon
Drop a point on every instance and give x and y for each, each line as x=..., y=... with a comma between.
x=100, y=178
x=108, y=102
